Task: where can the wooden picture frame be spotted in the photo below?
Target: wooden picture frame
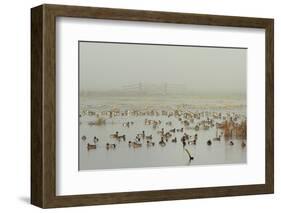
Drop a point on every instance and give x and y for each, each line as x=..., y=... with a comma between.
x=43, y=105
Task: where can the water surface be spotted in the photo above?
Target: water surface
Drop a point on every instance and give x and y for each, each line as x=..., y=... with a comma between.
x=173, y=154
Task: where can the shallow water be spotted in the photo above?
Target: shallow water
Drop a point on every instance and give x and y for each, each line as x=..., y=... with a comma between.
x=173, y=154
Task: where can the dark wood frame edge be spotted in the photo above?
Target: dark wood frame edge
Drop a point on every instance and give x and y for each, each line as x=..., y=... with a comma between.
x=43, y=105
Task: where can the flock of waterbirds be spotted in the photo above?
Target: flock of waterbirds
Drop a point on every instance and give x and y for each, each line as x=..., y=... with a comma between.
x=230, y=125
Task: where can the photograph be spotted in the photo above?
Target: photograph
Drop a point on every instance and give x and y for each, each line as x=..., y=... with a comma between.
x=140, y=105
x=161, y=105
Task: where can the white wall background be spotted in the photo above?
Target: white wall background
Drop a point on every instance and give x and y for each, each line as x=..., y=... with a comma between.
x=15, y=104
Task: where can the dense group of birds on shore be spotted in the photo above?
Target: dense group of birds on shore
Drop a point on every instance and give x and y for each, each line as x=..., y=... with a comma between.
x=228, y=125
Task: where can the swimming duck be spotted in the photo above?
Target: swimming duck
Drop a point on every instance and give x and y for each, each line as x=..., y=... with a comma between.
x=91, y=146
x=180, y=130
x=138, y=138
x=121, y=137
x=110, y=146
x=168, y=134
x=173, y=130
x=209, y=142
x=134, y=144
x=127, y=124
x=183, y=141
x=186, y=136
x=162, y=143
x=192, y=142
x=115, y=135
x=174, y=140
x=149, y=143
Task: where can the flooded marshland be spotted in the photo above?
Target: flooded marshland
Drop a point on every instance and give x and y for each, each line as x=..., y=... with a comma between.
x=161, y=105
x=134, y=132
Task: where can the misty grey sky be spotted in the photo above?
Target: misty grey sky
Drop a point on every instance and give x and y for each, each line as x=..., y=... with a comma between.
x=107, y=66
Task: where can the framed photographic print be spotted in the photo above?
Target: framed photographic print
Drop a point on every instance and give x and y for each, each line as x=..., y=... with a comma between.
x=135, y=106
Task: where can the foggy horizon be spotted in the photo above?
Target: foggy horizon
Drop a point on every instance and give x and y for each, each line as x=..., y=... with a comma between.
x=121, y=68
